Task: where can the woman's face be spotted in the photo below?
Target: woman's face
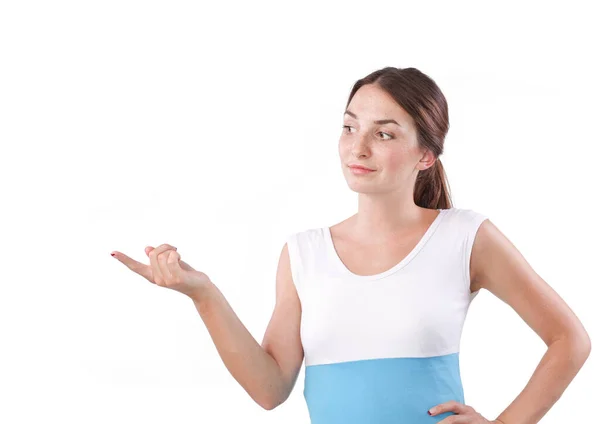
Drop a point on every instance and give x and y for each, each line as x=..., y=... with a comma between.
x=390, y=148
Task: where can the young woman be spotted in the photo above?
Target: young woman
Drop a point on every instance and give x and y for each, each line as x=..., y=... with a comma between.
x=375, y=304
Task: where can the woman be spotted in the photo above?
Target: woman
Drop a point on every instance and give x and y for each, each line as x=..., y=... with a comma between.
x=382, y=296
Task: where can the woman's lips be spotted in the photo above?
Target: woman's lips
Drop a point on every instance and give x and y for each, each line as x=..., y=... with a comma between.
x=360, y=171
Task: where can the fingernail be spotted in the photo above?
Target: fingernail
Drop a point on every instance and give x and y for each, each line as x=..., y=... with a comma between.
x=430, y=411
x=112, y=254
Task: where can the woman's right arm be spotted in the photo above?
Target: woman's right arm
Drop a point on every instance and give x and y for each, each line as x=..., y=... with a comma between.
x=267, y=372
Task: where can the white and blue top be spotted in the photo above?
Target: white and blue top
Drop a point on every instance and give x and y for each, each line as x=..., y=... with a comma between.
x=384, y=348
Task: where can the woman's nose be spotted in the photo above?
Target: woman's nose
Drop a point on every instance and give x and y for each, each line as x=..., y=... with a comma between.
x=361, y=146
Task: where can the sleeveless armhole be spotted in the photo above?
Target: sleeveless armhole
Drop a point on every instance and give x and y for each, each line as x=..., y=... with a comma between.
x=472, y=224
x=294, y=254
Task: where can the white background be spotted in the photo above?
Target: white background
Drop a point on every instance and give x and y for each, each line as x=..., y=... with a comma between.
x=214, y=128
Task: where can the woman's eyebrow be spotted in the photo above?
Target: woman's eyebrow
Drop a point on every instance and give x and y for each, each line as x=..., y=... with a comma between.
x=380, y=122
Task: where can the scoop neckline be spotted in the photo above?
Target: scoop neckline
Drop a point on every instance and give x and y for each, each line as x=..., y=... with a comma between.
x=342, y=267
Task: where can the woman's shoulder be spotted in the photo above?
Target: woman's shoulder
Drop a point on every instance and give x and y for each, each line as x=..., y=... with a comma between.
x=466, y=215
x=306, y=235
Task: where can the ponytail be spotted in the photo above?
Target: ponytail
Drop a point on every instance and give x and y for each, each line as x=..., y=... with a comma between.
x=431, y=188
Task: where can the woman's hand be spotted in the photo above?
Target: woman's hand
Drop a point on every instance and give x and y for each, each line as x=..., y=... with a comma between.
x=166, y=269
x=464, y=414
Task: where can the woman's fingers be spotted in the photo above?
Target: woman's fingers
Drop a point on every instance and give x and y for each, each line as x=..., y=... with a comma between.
x=154, y=254
x=162, y=264
x=184, y=265
x=166, y=269
x=137, y=267
x=172, y=265
x=158, y=270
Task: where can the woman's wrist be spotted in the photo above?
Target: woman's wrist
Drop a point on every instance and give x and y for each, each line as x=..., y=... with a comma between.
x=202, y=294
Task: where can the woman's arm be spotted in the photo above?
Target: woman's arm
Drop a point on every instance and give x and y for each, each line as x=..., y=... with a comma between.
x=267, y=371
x=499, y=267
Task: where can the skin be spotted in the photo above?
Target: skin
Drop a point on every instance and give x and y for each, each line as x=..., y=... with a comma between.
x=386, y=211
x=387, y=221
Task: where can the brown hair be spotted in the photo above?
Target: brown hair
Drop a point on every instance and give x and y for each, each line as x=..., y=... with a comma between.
x=420, y=96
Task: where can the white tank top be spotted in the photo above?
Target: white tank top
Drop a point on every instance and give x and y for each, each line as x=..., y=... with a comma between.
x=384, y=348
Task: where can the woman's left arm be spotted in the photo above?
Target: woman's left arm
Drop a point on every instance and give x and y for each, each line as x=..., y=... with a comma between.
x=500, y=268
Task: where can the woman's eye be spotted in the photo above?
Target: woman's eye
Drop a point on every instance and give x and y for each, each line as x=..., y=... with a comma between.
x=380, y=132
x=389, y=135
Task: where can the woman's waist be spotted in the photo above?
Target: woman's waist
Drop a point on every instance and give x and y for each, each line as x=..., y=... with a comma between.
x=401, y=389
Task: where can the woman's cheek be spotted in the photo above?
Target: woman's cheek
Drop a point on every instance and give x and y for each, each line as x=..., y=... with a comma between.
x=395, y=161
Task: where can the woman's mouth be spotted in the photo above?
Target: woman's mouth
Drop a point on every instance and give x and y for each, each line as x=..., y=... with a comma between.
x=360, y=171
